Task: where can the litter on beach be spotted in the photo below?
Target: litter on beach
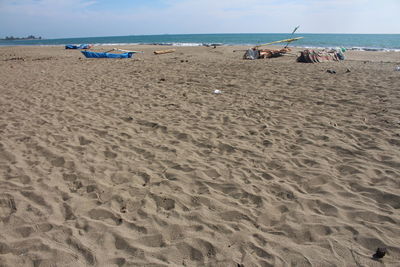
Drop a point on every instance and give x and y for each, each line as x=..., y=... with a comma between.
x=213, y=45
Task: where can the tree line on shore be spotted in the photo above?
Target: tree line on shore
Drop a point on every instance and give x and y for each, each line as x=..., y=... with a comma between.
x=30, y=37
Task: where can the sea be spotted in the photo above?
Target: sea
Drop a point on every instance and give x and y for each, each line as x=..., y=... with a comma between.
x=368, y=42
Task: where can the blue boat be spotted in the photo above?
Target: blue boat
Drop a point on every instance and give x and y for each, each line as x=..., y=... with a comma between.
x=82, y=46
x=91, y=54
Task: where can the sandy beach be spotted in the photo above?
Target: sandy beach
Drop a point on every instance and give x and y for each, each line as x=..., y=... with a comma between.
x=136, y=162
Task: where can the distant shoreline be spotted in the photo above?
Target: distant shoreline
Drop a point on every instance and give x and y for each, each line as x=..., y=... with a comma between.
x=367, y=42
x=12, y=38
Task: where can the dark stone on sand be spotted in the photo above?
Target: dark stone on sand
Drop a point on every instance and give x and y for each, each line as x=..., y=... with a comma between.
x=128, y=119
x=380, y=253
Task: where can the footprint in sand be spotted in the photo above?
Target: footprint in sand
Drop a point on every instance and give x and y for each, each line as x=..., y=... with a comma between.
x=105, y=215
x=7, y=206
x=83, y=141
x=164, y=202
x=110, y=155
x=58, y=161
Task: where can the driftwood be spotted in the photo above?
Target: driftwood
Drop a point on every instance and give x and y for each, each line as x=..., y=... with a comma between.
x=255, y=53
x=159, y=52
x=268, y=53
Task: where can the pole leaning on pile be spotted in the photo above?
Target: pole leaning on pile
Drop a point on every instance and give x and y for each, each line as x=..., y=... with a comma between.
x=281, y=41
x=122, y=50
x=127, y=51
x=291, y=36
x=288, y=41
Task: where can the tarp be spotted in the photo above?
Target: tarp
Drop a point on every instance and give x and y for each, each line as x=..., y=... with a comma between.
x=90, y=54
x=82, y=46
x=314, y=56
x=252, y=54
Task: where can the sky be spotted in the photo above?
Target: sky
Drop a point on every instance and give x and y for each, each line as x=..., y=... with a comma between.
x=90, y=18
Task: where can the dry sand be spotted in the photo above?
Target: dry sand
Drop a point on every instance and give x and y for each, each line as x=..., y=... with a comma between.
x=135, y=162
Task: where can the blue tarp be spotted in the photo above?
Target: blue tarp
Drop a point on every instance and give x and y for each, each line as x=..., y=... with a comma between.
x=82, y=46
x=90, y=54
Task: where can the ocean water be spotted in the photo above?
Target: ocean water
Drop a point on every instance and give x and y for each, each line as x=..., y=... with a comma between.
x=374, y=42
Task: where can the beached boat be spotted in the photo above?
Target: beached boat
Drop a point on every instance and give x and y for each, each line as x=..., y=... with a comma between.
x=107, y=54
x=91, y=54
x=81, y=46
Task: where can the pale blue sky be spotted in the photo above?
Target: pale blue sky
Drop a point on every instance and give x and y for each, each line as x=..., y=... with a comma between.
x=87, y=18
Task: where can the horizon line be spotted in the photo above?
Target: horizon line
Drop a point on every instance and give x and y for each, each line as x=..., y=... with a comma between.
x=161, y=34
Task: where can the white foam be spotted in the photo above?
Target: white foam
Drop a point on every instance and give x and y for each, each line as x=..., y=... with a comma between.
x=187, y=44
x=354, y=48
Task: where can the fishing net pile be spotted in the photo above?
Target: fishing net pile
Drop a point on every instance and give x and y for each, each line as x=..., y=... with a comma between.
x=316, y=56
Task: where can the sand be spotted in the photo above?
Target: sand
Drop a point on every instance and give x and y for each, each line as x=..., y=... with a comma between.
x=137, y=162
